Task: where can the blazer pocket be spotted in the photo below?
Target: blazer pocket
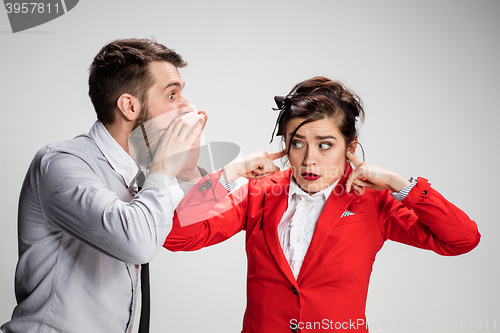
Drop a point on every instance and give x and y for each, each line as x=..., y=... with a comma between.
x=357, y=217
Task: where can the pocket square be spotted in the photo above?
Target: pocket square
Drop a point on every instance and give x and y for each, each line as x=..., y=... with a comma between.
x=346, y=213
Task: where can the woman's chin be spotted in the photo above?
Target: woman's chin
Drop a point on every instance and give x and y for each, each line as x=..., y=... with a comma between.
x=311, y=187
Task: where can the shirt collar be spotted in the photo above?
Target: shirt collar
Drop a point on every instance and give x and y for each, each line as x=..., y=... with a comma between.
x=118, y=158
x=297, y=191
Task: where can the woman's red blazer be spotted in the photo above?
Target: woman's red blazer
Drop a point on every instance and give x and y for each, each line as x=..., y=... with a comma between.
x=331, y=288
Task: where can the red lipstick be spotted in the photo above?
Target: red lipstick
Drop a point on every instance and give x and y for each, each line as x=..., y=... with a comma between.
x=310, y=176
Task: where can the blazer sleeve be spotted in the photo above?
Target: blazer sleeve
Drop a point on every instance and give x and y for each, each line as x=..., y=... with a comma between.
x=427, y=220
x=207, y=215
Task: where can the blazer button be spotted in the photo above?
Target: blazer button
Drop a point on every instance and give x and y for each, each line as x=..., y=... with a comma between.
x=295, y=291
x=295, y=329
x=424, y=192
x=202, y=188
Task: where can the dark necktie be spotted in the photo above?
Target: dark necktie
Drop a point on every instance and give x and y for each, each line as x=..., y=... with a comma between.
x=146, y=299
x=145, y=289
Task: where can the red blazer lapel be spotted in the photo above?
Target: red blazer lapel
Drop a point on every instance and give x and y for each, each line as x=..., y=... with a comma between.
x=338, y=201
x=275, y=204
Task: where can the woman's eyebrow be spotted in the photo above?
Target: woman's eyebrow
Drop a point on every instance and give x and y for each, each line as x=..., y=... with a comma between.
x=325, y=137
x=318, y=137
x=297, y=135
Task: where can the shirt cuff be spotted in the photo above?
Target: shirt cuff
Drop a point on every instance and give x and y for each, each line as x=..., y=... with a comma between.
x=157, y=181
x=228, y=186
x=160, y=181
x=399, y=196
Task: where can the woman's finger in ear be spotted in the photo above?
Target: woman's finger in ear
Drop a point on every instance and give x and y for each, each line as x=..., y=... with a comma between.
x=356, y=161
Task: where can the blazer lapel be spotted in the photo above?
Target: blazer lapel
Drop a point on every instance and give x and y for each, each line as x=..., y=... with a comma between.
x=336, y=204
x=276, y=201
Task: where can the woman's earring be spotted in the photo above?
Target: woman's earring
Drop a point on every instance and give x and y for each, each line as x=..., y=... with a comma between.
x=362, y=150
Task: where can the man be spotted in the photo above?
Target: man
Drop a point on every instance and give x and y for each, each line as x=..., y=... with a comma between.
x=83, y=227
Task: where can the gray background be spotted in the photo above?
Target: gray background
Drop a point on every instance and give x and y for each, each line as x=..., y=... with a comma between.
x=427, y=72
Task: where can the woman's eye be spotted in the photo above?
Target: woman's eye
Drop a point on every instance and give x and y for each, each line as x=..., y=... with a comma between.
x=324, y=145
x=171, y=96
x=297, y=144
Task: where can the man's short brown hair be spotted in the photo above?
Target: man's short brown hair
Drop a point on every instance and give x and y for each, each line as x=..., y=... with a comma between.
x=122, y=67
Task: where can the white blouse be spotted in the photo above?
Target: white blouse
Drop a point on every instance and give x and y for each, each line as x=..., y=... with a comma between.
x=299, y=222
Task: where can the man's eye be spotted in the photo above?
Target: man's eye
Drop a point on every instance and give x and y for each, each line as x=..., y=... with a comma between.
x=171, y=96
x=325, y=145
x=297, y=144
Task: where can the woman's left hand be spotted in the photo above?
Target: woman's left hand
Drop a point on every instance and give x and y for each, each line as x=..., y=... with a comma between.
x=370, y=176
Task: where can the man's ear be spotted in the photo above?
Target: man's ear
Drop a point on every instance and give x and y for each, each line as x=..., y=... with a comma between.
x=129, y=106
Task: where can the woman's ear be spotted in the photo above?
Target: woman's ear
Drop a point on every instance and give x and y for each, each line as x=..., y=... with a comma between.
x=352, y=146
x=284, y=146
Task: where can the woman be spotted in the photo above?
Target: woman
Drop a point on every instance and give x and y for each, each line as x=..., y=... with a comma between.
x=313, y=230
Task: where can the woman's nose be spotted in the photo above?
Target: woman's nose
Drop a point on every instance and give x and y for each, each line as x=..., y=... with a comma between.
x=309, y=158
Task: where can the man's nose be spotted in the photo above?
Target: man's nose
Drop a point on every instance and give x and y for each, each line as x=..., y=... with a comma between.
x=184, y=106
x=184, y=101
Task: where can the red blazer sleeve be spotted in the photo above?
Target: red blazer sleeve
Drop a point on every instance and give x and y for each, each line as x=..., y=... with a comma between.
x=427, y=220
x=207, y=215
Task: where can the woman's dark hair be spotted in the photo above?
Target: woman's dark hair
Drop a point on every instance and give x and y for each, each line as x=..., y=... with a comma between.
x=122, y=66
x=320, y=98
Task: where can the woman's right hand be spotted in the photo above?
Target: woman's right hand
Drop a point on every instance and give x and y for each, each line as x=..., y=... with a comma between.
x=256, y=165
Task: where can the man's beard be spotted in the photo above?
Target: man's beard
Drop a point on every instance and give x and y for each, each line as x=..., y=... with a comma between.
x=145, y=137
x=143, y=115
